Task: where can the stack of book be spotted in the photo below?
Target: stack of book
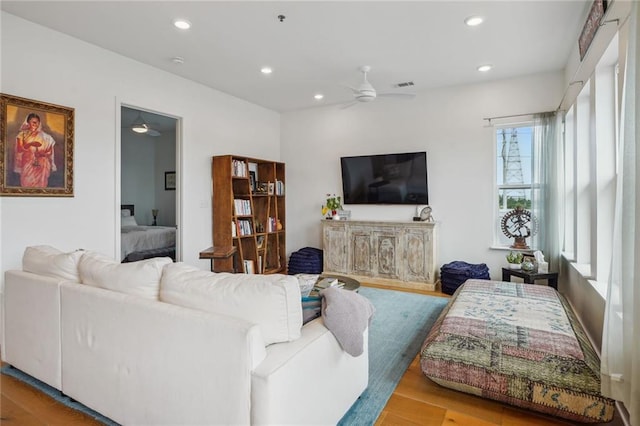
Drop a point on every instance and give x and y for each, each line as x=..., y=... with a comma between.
x=329, y=282
x=323, y=284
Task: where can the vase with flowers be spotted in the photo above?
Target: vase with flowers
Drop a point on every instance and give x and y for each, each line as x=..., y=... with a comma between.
x=332, y=205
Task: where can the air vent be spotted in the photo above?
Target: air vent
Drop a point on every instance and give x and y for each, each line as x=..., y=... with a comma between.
x=405, y=84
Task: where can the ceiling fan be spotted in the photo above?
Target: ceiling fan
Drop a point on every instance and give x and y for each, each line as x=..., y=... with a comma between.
x=365, y=92
x=140, y=126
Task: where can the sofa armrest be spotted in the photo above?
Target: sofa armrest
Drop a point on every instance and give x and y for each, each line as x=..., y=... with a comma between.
x=31, y=338
x=288, y=385
x=139, y=361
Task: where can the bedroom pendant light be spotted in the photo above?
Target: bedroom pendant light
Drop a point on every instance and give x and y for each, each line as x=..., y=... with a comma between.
x=139, y=125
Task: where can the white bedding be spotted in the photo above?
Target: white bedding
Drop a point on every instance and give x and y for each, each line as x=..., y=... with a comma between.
x=139, y=238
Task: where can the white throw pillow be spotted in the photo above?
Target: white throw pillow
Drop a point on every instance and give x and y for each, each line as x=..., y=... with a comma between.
x=271, y=301
x=128, y=221
x=51, y=262
x=137, y=278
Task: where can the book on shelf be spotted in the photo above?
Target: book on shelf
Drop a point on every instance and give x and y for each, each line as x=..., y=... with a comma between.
x=249, y=267
x=244, y=227
x=239, y=168
x=242, y=207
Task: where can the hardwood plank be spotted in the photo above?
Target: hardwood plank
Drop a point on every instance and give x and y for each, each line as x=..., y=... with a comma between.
x=412, y=411
x=457, y=418
x=39, y=405
x=13, y=414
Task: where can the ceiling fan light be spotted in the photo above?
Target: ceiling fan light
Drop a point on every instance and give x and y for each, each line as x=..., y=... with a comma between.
x=139, y=125
x=140, y=128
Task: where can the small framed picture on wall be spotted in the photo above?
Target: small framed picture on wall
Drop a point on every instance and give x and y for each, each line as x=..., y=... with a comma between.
x=170, y=181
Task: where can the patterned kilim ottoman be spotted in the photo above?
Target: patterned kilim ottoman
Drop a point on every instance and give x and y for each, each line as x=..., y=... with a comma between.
x=519, y=344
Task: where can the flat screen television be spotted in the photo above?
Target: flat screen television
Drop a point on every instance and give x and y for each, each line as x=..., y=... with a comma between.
x=385, y=179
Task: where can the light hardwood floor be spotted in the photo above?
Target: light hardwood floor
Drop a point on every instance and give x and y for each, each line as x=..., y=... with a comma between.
x=416, y=401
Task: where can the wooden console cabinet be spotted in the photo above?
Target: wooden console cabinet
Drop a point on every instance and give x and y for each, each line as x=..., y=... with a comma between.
x=401, y=254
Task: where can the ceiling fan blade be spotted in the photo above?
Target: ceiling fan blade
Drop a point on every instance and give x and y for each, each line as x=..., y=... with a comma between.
x=397, y=95
x=349, y=104
x=153, y=132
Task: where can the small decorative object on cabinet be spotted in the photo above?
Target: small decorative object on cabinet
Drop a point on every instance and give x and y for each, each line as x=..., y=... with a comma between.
x=247, y=217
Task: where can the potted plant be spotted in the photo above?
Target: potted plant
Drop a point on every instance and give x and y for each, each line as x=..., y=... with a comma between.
x=514, y=259
x=333, y=204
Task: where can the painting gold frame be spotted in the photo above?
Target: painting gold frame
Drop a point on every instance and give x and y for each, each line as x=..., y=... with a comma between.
x=26, y=168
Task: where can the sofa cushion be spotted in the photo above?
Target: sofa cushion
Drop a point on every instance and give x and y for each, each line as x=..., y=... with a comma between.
x=51, y=262
x=271, y=301
x=136, y=278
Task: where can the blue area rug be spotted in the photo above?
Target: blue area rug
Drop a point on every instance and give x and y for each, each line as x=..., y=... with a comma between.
x=55, y=394
x=400, y=325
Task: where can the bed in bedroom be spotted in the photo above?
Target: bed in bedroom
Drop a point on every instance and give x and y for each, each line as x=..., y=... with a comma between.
x=520, y=344
x=140, y=242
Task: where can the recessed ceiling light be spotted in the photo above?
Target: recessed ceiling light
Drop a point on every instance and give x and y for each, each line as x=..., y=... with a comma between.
x=183, y=24
x=318, y=96
x=266, y=70
x=472, y=21
x=485, y=68
x=177, y=60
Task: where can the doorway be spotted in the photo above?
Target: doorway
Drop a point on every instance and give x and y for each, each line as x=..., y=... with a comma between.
x=148, y=180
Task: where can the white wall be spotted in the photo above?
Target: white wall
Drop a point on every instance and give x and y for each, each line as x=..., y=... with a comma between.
x=95, y=81
x=145, y=160
x=447, y=123
x=165, y=161
x=138, y=175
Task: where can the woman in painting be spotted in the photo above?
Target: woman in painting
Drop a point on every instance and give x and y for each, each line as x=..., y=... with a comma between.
x=34, y=154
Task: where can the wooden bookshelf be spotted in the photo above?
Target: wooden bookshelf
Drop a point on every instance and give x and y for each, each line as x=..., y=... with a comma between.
x=249, y=213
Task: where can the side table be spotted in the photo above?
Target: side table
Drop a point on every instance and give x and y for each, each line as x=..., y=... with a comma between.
x=222, y=254
x=530, y=277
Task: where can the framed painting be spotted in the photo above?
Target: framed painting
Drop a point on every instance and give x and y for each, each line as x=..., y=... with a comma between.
x=591, y=25
x=36, y=148
x=169, y=181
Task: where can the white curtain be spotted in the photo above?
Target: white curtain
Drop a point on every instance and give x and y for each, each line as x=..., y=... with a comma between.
x=620, y=360
x=548, y=181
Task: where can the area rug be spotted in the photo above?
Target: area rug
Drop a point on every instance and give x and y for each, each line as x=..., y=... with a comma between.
x=400, y=325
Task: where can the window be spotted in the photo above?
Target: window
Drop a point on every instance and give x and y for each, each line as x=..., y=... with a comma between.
x=514, y=148
x=590, y=170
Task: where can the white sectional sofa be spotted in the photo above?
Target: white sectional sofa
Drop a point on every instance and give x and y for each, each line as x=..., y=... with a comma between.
x=155, y=342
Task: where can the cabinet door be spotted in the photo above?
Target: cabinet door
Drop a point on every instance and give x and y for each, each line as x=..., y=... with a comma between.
x=386, y=253
x=335, y=244
x=360, y=259
x=418, y=255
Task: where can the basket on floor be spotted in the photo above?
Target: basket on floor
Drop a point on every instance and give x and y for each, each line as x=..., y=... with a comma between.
x=307, y=260
x=454, y=274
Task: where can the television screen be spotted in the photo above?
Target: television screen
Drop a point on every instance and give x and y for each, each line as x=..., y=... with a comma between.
x=385, y=179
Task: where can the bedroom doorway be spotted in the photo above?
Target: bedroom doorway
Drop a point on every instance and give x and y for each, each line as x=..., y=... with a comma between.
x=148, y=185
